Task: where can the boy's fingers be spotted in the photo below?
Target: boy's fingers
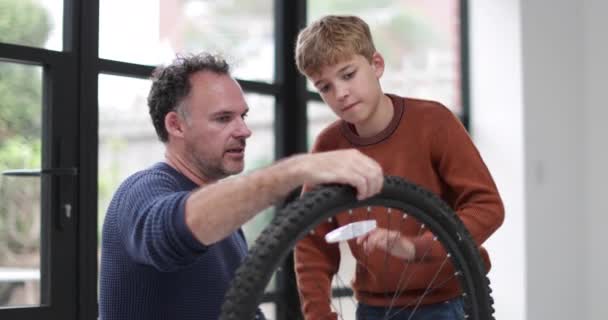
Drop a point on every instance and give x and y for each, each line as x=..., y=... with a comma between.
x=374, y=239
x=362, y=238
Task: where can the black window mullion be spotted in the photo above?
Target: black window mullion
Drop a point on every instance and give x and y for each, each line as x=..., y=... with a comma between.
x=259, y=87
x=290, y=124
x=60, y=151
x=124, y=69
x=28, y=55
x=36, y=313
x=85, y=44
x=465, y=90
x=290, y=127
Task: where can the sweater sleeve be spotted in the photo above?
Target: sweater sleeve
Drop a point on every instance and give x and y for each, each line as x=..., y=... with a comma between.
x=468, y=186
x=151, y=222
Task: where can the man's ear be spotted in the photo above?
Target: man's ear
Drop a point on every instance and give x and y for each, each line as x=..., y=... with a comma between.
x=378, y=64
x=174, y=124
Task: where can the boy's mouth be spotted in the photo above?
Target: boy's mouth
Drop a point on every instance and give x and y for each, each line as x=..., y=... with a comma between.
x=350, y=106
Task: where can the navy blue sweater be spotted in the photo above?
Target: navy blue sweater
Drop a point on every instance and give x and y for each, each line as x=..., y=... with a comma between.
x=152, y=267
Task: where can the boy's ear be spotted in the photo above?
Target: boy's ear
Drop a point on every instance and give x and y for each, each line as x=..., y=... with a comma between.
x=174, y=124
x=378, y=64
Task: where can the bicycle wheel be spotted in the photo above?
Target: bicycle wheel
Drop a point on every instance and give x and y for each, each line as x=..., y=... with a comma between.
x=402, y=199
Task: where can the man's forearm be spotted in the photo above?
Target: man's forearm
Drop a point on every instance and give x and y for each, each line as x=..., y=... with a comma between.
x=216, y=210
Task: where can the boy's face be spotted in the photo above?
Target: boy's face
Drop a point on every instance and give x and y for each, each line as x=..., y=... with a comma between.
x=351, y=87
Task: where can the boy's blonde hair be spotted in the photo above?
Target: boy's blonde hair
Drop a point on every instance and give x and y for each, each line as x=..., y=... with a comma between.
x=330, y=40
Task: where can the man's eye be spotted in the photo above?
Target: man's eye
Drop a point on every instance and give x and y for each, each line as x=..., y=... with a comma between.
x=223, y=119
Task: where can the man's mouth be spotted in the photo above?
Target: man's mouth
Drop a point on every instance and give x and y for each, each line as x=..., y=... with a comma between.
x=236, y=151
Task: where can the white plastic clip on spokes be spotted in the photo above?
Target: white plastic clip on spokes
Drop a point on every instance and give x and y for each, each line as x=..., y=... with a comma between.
x=350, y=231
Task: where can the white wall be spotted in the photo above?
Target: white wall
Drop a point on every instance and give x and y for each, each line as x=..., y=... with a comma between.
x=497, y=128
x=596, y=156
x=554, y=114
x=545, y=63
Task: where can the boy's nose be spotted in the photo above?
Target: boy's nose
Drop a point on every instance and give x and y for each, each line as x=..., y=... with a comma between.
x=342, y=92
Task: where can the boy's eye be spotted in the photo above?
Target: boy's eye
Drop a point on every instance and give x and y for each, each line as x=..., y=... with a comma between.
x=324, y=88
x=349, y=75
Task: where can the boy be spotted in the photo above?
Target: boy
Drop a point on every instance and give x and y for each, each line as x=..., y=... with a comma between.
x=419, y=140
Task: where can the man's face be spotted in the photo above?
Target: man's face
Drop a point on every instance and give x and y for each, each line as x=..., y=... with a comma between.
x=215, y=129
x=351, y=88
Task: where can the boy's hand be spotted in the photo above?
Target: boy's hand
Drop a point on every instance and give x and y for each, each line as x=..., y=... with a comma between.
x=390, y=241
x=342, y=166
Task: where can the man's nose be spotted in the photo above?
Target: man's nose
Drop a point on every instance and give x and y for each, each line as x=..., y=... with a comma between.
x=242, y=130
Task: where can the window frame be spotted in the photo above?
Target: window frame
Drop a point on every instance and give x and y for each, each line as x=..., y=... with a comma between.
x=71, y=96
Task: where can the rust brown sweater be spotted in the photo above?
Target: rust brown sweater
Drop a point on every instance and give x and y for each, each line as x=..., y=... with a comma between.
x=426, y=144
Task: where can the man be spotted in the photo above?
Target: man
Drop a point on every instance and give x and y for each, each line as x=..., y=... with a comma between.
x=171, y=238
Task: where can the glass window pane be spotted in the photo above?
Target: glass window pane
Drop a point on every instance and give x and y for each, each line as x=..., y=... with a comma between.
x=241, y=30
x=419, y=40
x=34, y=23
x=319, y=116
x=127, y=140
x=259, y=152
x=20, y=204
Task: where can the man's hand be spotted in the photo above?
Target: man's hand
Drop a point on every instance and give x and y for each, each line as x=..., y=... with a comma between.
x=234, y=201
x=342, y=166
x=390, y=241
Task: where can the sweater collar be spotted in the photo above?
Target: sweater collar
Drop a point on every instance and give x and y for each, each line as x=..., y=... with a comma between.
x=349, y=131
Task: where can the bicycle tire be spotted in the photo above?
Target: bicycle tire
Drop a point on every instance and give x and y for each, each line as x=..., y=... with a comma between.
x=296, y=219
